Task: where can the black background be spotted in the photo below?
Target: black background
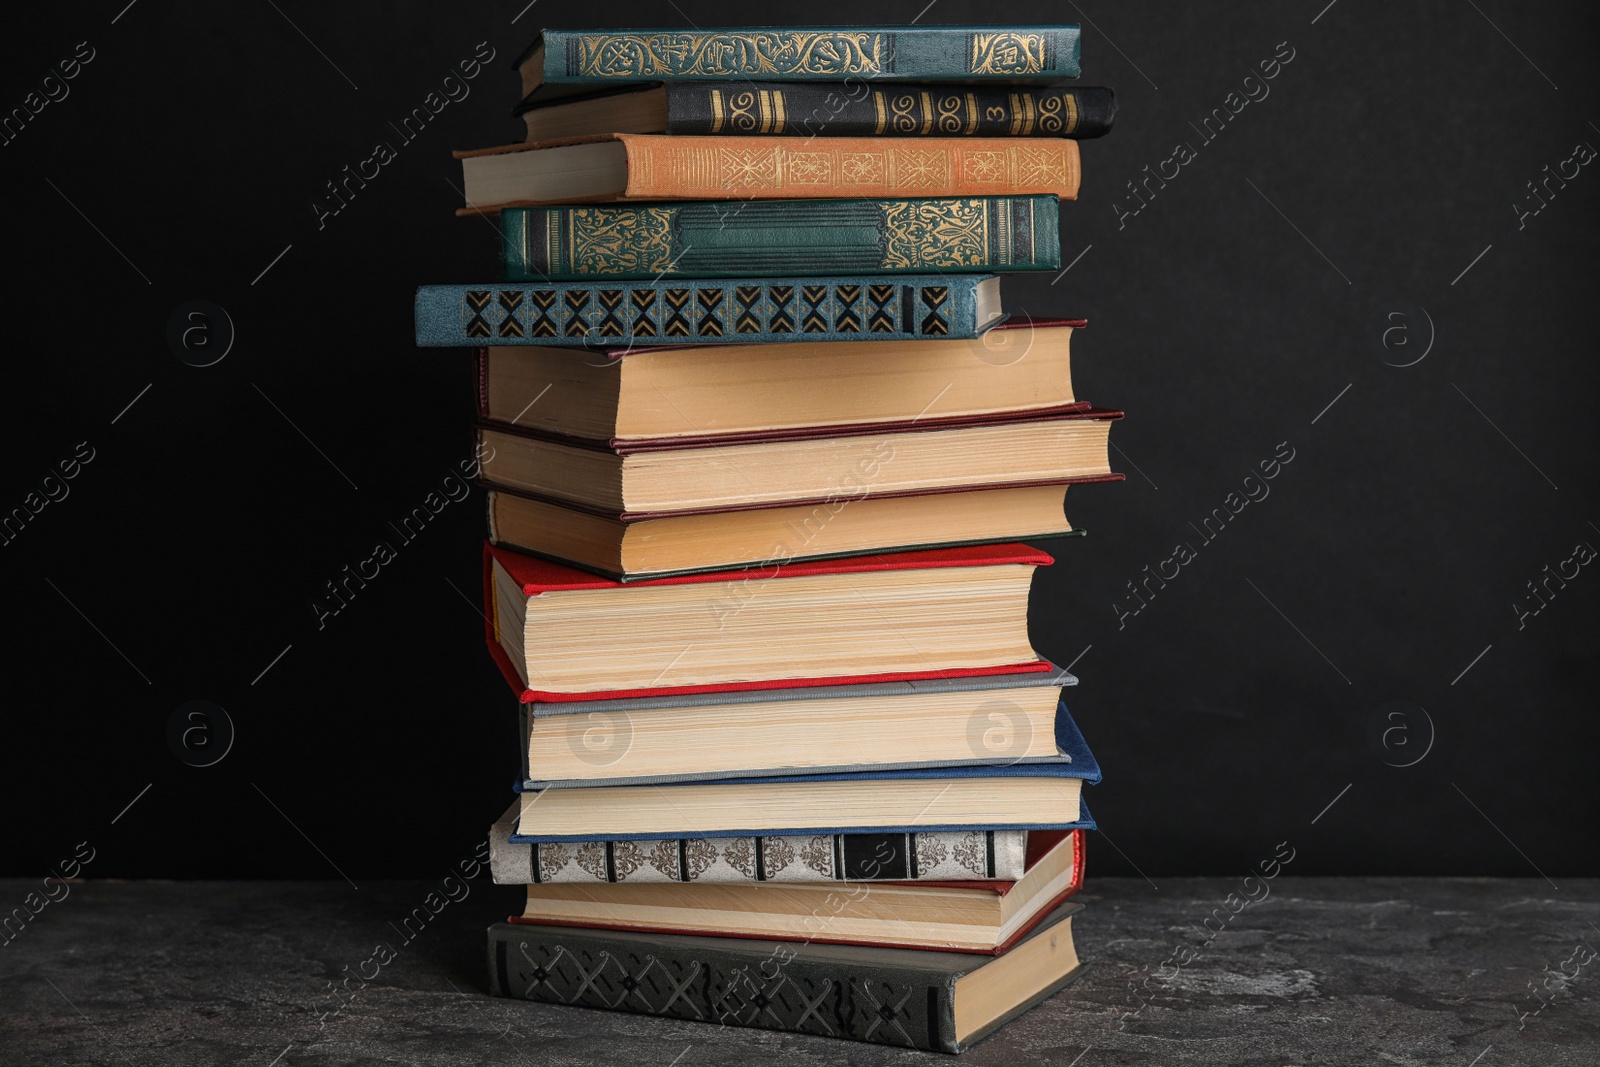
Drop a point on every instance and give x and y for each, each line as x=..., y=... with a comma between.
x=1226, y=316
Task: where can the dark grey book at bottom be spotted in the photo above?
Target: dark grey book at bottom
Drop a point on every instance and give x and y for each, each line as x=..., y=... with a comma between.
x=941, y=1001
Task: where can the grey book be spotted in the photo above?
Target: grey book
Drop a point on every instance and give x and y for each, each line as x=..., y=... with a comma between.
x=907, y=856
x=941, y=1001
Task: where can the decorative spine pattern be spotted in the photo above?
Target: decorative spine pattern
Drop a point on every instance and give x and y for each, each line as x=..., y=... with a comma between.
x=718, y=168
x=775, y=238
x=565, y=313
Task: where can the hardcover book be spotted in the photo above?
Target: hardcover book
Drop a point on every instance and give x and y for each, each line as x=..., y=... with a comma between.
x=1042, y=795
x=775, y=238
x=561, y=634
x=965, y=916
x=641, y=392
x=945, y=722
x=909, y=856
x=705, y=311
x=841, y=109
x=589, y=58
x=939, y=1001
x=811, y=465
x=642, y=166
x=634, y=546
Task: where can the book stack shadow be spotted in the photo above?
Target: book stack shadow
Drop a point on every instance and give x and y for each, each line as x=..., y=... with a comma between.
x=764, y=456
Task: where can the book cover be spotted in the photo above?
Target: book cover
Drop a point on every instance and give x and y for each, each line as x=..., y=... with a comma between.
x=774, y=238
x=1073, y=761
x=901, y=997
x=1055, y=677
x=535, y=575
x=611, y=713
x=876, y=109
x=1078, y=411
x=811, y=53
x=701, y=311
x=680, y=167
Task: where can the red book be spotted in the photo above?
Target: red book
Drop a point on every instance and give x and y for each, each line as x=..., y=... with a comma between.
x=562, y=634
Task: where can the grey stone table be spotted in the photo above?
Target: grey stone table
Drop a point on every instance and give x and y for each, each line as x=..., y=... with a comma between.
x=1466, y=972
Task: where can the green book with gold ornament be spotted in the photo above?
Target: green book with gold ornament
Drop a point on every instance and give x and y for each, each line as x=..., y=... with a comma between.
x=777, y=238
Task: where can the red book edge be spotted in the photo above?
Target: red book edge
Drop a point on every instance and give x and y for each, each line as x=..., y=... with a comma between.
x=998, y=950
x=978, y=554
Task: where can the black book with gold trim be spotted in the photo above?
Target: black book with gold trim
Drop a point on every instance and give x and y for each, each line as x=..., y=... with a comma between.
x=844, y=109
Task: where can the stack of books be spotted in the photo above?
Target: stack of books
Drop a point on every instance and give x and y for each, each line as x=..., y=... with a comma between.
x=761, y=445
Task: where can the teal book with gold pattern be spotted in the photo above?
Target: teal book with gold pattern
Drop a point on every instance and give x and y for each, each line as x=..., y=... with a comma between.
x=775, y=238
x=708, y=310
x=562, y=61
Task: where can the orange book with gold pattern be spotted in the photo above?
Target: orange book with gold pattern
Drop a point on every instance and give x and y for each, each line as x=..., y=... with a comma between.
x=628, y=166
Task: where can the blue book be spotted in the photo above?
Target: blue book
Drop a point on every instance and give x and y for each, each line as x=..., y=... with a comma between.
x=560, y=62
x=1043, y=795
x=742, y=310
x=768, y=733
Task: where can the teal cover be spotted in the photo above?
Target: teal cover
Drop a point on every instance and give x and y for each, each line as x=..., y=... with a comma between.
x=716, y=239
x=703, y=311
x=809, y=53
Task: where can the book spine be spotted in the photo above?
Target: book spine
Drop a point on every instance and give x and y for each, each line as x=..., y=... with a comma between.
x=761, y=984
x=699, y=311
x=966, y=53
x=778, y=237
x=666, y=167
x=862, y=109
x=961, y=856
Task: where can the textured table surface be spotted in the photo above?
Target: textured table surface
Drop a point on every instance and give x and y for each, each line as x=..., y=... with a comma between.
x=1467, y=972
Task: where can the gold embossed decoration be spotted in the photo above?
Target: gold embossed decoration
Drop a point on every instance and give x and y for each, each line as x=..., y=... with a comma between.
x=768, y=52
x=919, y=169
x=979, y=167
x=861, y=168
x=945, y=233
x=1007, y=53
x=608, y=241
x=1040, y=167
x=745, y=167
x=1058, y=115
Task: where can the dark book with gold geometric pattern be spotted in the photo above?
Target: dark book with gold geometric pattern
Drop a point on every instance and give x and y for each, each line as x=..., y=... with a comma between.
x=723, y=239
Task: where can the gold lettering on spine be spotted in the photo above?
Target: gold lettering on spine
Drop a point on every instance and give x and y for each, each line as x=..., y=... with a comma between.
x=1002, y=237
x=716, y=111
